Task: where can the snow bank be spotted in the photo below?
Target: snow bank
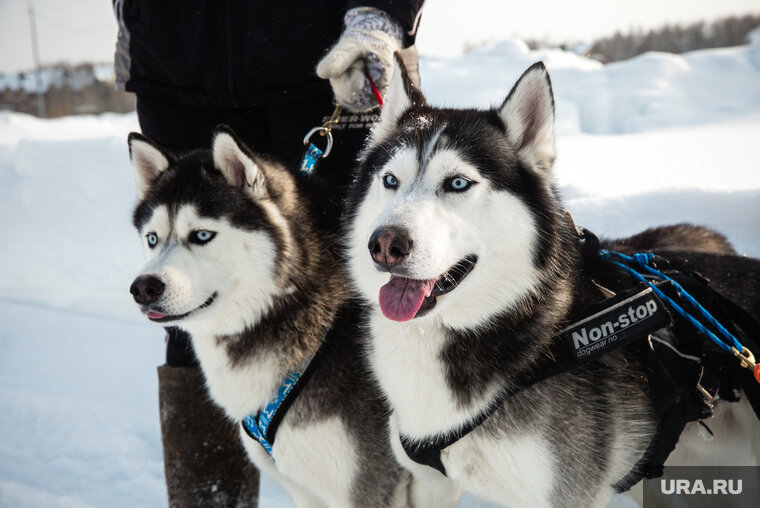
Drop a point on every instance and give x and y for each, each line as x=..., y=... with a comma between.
x=79, y=420
x=651, y=91
x=658, y=139
x=67, y=190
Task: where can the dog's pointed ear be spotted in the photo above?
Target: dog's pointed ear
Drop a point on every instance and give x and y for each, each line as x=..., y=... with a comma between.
x=148, y=161
x=528, y=114
x=237, y=163
x=401, y=95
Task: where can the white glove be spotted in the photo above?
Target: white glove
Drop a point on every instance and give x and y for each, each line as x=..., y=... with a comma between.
x=366, y=45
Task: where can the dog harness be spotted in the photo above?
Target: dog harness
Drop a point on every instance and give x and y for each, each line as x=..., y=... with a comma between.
x=257, y=426
x=262, y=426
x=684, y=378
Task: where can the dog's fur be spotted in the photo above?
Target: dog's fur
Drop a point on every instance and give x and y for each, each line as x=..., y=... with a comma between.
x=563, y=442
x=257, y=299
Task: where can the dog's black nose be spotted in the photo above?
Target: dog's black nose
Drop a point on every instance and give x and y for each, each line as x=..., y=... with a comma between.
x=146, y=289
x=389, y=246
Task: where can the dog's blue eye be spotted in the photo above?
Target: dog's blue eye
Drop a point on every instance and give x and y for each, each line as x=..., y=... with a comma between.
x=201, y=236
x=457, y=184
x=152, y=239
x=390, y=181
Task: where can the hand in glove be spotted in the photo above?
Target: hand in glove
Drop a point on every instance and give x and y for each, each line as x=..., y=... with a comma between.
x=366, y=45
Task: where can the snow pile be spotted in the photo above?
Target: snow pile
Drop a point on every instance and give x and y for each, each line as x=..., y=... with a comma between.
x=657, y=139
x=651, y=91
x=67, y=193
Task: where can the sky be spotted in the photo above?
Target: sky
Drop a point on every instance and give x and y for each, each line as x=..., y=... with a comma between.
x=85, y=30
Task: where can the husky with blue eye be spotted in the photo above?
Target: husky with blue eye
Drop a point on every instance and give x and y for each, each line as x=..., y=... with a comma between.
x=234, y=257
x=459, y=243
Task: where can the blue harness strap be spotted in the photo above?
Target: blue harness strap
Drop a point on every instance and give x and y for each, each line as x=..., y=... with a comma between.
x=262, y=426
x=257, y=426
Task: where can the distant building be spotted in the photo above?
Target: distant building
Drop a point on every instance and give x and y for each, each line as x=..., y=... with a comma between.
x=67, y=90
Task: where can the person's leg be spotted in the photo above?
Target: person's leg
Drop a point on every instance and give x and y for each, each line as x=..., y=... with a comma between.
x=204, y=461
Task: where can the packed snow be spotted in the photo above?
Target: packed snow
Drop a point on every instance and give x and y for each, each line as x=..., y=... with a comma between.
x=657, y=139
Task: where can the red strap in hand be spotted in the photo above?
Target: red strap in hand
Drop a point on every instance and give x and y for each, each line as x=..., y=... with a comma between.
x=375, y=90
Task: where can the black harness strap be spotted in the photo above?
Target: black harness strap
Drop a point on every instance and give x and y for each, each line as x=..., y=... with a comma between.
x=607, y=327
x=316, y=360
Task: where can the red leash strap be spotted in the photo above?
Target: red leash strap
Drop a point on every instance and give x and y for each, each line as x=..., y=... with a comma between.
x=375, y=90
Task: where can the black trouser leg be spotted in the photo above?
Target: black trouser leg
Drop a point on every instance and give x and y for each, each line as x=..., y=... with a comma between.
x=204, y=462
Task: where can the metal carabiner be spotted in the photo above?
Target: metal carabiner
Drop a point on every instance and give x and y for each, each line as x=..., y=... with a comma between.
x=747, y=361
x=334, y=118
x=325, y=130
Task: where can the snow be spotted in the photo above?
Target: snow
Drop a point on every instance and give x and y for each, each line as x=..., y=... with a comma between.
x=657, y=139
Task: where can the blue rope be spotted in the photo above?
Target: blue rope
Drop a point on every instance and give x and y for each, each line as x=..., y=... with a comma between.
x=643, y=260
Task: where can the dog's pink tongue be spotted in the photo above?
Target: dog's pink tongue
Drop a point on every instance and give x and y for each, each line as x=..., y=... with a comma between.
x=401, y=298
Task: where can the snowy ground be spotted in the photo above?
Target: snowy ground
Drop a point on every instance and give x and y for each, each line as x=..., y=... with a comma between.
x=657, y=139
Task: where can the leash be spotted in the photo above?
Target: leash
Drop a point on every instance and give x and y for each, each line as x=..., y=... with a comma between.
x=313, y=154
x=730, y=345
x=375, y=90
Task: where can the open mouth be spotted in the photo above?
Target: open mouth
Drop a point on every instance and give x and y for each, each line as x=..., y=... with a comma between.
x=159, y=317
x=403, y=299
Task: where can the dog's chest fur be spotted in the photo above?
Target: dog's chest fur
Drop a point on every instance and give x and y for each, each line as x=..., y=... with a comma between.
x=407, y=361
x=515, y=457
x=331, y=446
x=239, y=389
x=425, y=406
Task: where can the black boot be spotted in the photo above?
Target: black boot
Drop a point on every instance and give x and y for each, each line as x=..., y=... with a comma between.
x=204, y=460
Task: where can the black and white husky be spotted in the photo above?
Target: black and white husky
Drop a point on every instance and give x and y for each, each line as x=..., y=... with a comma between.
x=457, y=238
x=235, y=259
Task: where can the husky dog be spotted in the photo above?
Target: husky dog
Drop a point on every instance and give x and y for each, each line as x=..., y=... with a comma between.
x=457, y=238
x=235, y=259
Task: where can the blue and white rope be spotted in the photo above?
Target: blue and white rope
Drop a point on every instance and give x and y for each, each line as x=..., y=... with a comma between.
x=643, y=260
